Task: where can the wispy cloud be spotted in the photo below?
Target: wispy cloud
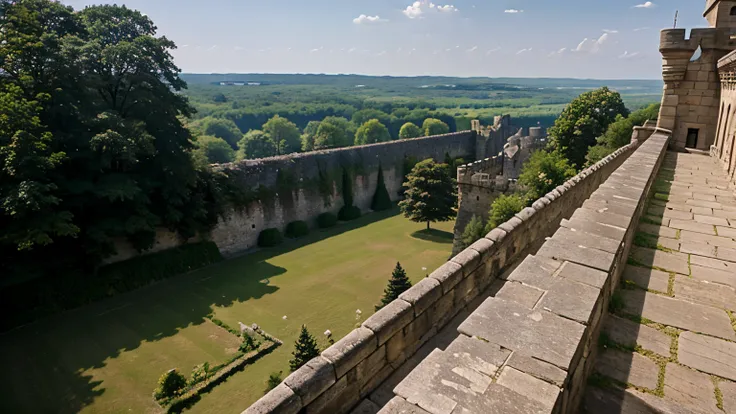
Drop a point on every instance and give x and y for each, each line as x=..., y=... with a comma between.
x=610, y=31
x=639, y=29
x=591, y=45
x=472, y=49
x=365, y=19
x=493, y=50
x=513, y=11
x=558, y=52
x=319, y=49
x=627, y=55
x=646, y=5
x=524, y=51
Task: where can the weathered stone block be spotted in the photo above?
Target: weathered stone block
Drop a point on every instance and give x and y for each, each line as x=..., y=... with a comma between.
x=389, y=320
x=338, y=399
x=350, y=350
x=280, y=400
x=370, y=366
x=484, y=247
x=517, y=292
x=366, y=407
x=496, y=235
x=422, y=295
x=311, y=380
x=628, y=367
x=570, y=299
x=583, y=274
x=530, y=387
x=449, y=274
x=443, y=310
x=569, y=250
x=468, y=259
x=399, y=405
x=537, y=368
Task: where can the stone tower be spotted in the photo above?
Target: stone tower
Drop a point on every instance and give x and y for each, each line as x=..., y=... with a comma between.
x=692, y=86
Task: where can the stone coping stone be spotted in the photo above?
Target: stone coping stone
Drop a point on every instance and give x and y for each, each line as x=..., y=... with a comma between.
x=583, y=274
x=534, y=271
x=490, y=356
x=312, y=379
x=707, y=354
x=565, y=249
x=398, y=405
x=517, y=292
x=628, y=367
x=537, y=333
x=422, y=295
x=351, y=349
x=389, y=320
x=530, y=387
x=647, y=278
x=689, y=388
x=449, y=275
x=602, y=206
x=280, y=400
x=589, y=240
x=571, y=300
x=609, y=218
x=537, y=368
x=629, y=334
x=603, y=230
x=678, y=313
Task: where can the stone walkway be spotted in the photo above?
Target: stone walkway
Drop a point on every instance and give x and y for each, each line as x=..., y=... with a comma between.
x=670, y=344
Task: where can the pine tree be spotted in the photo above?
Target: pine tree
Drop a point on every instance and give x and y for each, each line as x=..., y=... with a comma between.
x=305, y=349
x=398, y=284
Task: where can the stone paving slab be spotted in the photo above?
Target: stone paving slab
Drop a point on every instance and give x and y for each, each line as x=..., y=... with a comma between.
x=655, y=230
x=647, y=278
x=618, y=401
x=725, y=231
x=724, y=253
x=517, y=292
x=704, y=292
x=399, y=405
x=678, y=313
x=611, y=232
x=693, y=226
x=627, y=333
x=689, y=388
x=728, y=391
x=713, y=263
x=530, y=387
x=700, y=249
x=707, y=354
x=714, y=275
x=719, y=241
x=628, y=367
x=570, y=299
x=674, y=262
x=713, y=220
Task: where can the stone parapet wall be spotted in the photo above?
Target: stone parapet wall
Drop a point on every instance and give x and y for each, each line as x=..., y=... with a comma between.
x=532, y=346
x=354, y=366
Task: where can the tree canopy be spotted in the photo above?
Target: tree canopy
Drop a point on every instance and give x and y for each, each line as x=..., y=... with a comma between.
x=543, y=172
x=582, y=121
x=619, y=133
x=87, y=160
x=430, y=194
x=284, y=134
x=410, y=130
x=371, y=132
x=432, y=126
x=222, y=128
x=214, y=150
x=256, y=144
x=334, y=132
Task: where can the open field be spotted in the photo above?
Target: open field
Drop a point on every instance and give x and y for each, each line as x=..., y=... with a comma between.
x=107, y=357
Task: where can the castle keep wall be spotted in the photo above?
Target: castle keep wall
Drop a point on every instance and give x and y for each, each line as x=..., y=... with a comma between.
x=352, y=368
x=724, y=148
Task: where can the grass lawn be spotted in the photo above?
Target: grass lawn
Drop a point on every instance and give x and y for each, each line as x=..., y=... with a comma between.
x=107, y=357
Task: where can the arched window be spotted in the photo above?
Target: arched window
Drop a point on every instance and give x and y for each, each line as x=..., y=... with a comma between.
x=733, y=11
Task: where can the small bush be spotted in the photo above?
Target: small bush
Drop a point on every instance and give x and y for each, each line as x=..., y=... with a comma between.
x=170, y=385
x=249, y=344
x=504, y=208
x=475, y=230
x=273, y=381
x=348, y=213
x=270, y=238
x=326, y=220
x=199, y=373
x=297, y=229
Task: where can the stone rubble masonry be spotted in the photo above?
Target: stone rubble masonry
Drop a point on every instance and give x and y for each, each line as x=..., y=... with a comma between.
x=364, y=358
x=552, y=346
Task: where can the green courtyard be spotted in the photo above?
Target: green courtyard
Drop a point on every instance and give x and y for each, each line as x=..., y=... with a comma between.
x=107, y=357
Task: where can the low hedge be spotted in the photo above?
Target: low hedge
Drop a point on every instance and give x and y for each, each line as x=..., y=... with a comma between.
x=326, y=220
x=297, y=229
x=348, y=213
x=270, y=237
x=25, y=302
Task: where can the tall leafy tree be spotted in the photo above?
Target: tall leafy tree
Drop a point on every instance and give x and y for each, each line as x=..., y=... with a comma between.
x=334, y=132
x=305, y=349
x=255, y=144
x=410, y=130
x=398, y=284
x=284, y=134
x=432, y=126
x=214, y=150
x=582, y=121
x=430, y=194
x=310, y=131
x=543, y=172
x=222, y=128
x=372, y=132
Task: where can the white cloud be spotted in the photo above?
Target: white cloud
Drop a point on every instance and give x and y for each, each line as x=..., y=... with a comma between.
x=558, y=52
x=419, y=8
x=590, y=45
x=639, y=29
x=184, y=46
x=627, y=55
x=610, y=31
x=524, y=51
x=493, y=50
x=364, y=19
x=317, y=49
x=472, y=49
x=512, y=11
x=646, y=5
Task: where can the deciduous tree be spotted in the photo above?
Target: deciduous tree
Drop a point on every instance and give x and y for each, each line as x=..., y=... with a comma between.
x=255, y=144
x=372, y=132
x=410, y=130
x=214, y=150
x=543, y=172
x=284, y=134
x=432, y=126
x=430, y=194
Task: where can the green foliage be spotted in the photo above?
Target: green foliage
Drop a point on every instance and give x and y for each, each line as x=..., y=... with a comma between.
x=398, y=284
x=583, y=120
x=597, y=153
x=348, y=213
x=365, y=115
x=270, y=237
x=170, y=385
x=326, y=220
x=214, y=150
x=475, y=230
x=249, y=344
x=381, y=199
x=274, y=379
x=430, y=194
x=334, y=132
x=310, y=131
x=296, y=229
x=221, y=128
x=305, y=349
x=199, y=373
x=132, y=170
x=619, y=133
x=284, y=134
x=410, y=130
x=543, y=172
x=372, y=132
x=504, y=208
x=433, y=126
x=256, y=144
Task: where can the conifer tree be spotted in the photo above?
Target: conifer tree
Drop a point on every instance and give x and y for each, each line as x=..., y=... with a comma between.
x=381, y=199
x=305, y=349
x=398, y=284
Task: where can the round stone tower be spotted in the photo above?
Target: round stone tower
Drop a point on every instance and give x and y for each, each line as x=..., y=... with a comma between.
x=692, y=87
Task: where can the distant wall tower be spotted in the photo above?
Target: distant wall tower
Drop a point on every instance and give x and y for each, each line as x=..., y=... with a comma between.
x=692, y=86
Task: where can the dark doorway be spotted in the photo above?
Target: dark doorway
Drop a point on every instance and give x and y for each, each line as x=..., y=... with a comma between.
x=692, y=138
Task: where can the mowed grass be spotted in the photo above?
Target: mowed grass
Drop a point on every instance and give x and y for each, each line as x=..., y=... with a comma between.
x=107, y=357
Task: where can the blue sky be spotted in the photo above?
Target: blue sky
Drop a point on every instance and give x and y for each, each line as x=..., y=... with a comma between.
x=520, y=38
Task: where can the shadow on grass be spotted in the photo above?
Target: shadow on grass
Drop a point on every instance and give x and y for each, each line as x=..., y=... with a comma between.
x=434, y=235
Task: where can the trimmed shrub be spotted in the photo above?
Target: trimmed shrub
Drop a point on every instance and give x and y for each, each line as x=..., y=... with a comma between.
x=348, y=213
x=504, y=208
x=200, y=373
x=273, y=381
x=170, y=385
x=270, y=238
x=296, y=229
x=474, y=231
x=381, y=199
x=326, y=220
